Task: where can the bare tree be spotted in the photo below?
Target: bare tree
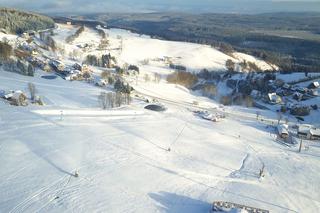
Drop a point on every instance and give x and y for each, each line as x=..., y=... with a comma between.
x=146, y=78
x=103, y=100
x=32, y=90
x=127, y=98
x=110, y=100
x=157, y=77
x=118, y=99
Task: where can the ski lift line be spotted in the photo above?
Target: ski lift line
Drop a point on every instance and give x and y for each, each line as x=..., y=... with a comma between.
x=179, y=135
x=204, y=184
x=207, y=162
x=190, y=179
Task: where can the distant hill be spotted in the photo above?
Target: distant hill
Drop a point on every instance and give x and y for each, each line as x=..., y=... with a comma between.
x=15, y=21
x=289, y=40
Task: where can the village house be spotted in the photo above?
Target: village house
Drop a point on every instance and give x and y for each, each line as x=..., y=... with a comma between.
x=273, y=98
x=58, y=66
x=314, y=85
x=308, y=132
x=283, y=130
x=313, y=92
x=72, y=75
x=17, y=98
x=315, y=134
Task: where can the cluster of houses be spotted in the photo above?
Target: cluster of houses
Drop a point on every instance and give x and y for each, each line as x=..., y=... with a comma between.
x=280, y=95
x=308, y=132
x=304, y=131
x=17, y=98
x=298, y=93
x=74, y=72
x=283, y=131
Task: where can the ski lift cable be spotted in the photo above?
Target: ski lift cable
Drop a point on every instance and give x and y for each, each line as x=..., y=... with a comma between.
x=179, y=134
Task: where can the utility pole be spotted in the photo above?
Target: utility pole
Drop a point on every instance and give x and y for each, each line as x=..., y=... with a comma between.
x=261, y=172
x=300, y=147
x=61, y=115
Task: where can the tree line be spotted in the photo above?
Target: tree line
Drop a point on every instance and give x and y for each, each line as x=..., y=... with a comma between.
x=15, y=21
x=73, y=37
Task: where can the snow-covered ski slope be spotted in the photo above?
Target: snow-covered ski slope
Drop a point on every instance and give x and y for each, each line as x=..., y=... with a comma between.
x=123, y=162
x=133, y=48
x=122, y=155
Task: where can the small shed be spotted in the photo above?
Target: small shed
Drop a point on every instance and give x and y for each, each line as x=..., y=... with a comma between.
x=314, y=85
x=313, y=92
x=304, y=131
x=17, y=98
x=315, y=134
x=273, y=98
x=283, y=131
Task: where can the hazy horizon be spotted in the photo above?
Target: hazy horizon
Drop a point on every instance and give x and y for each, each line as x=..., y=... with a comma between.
x=191, y=6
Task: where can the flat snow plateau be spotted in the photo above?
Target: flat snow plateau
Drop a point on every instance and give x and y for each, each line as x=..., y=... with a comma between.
x=122, y=155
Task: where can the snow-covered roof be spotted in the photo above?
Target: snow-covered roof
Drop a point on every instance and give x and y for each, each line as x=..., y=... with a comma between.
x=17, y=94
x=273, y=97
x=283, y=129
x=315, y=84
x=315, y=132
x=304, y=129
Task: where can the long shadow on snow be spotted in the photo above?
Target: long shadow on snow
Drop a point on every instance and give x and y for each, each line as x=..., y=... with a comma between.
x=141, y=136
x=43, y=152
x=171, y=203
x=268, y=129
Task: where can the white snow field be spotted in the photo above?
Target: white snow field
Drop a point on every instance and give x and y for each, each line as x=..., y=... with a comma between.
x=136, y=48
x=123, y=162
x=133, y=48
x=133, y=160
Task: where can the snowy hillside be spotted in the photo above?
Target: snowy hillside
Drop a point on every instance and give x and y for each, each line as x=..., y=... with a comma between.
x=71, y=156
x=134, y=49
x=123, y=160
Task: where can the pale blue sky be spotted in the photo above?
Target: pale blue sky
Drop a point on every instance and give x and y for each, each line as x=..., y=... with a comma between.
x=235, y=6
